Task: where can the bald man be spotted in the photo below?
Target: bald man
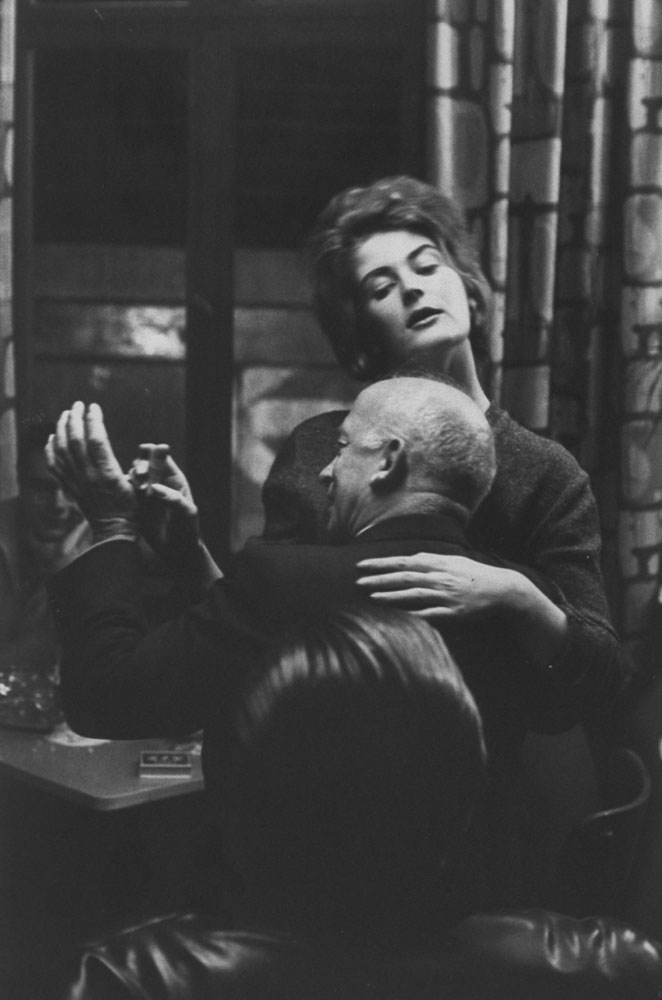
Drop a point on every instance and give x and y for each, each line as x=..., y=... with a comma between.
x=415, y=458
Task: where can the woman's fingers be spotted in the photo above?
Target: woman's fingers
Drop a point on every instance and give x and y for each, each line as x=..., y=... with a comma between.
x=391, y=581
x=387, y=564
x=412, y=595
x=433, y=613
x=421, y=562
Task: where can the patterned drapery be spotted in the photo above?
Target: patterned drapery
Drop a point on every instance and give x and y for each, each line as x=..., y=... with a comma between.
x=8, y=483
x=545, y=122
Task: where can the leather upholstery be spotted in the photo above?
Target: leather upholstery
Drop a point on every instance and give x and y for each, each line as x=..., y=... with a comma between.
x=534, y=955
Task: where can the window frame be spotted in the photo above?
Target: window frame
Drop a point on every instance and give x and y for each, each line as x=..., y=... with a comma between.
x=210, y=31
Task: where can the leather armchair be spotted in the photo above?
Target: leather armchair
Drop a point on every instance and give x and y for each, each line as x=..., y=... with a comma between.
x=520, y=955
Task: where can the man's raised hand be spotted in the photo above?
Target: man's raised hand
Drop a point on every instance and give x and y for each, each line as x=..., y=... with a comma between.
x=168, y=516
x=82, y=459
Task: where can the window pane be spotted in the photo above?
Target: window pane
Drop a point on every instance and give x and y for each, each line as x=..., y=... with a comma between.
x=110, y=146
x=310, y=121
x=110, y=199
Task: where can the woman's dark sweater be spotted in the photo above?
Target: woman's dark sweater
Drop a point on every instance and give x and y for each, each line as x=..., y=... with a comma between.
x=540, y=513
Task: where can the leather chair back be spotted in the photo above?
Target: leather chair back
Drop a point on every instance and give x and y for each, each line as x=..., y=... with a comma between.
x=597, y=856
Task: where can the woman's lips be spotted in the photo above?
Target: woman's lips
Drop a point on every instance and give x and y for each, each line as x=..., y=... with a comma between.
x=422, y=316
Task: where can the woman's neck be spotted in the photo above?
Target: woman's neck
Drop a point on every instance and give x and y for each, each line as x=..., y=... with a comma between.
x=461, y=367
x=458, y=363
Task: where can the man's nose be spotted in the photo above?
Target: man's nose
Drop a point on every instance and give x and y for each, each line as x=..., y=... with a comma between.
x=326, y=475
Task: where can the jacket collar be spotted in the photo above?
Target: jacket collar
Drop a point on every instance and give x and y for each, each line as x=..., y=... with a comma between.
x=442, y=526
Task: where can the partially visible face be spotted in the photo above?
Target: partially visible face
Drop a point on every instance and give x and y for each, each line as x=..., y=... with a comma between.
x=50, y=514
x=347, y=477
x=411, y=300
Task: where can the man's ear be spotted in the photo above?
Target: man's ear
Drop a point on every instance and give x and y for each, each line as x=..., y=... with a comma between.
x=393, y=467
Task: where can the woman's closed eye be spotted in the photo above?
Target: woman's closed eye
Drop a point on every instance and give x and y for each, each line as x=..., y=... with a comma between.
x=378, y=290
x=428, y=261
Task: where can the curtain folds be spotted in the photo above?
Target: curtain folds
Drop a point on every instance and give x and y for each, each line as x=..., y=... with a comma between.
x=8, y=475
x=545, y=123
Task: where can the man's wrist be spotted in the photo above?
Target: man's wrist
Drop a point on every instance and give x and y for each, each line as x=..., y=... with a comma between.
x=114, y=527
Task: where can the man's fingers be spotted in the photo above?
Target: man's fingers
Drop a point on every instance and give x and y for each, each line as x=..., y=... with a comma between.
x=49, y=451
x=66, y=463
x=175, y=477
x=52, y=458
x=173, y=498
x=61, y=468
x=95, y=429
x=75, y=423
x=150, y=465
x=70, y=441
x=99, y=449
x=61, y=436
x=75, y=432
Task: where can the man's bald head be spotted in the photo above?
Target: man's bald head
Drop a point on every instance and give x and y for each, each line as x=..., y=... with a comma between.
x=409, y=444
x=448, y=439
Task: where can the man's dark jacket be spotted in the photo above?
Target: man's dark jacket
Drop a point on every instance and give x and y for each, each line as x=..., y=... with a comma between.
x=123, y=680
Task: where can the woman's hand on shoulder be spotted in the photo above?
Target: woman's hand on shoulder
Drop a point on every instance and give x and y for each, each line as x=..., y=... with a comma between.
x=437, y=586
x=440, y=587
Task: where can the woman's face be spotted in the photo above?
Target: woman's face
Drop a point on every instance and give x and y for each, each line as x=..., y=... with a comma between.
x=411, y=300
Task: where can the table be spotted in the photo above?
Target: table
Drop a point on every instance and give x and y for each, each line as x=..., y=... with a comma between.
x=102, y=777
x=86, y=844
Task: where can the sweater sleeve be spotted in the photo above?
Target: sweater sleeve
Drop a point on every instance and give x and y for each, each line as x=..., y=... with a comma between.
x=592, y=661
x=566, y=546
x=542, y=514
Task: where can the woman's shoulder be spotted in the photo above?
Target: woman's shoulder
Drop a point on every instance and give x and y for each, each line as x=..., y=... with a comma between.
x=517, y=446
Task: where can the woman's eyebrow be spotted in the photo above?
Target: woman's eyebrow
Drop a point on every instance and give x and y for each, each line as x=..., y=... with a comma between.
x=423, y=247
x=386, y=269
x=377, y=272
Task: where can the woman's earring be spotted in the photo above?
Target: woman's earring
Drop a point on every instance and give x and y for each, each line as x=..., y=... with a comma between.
x=360, y=365
x=473, y=312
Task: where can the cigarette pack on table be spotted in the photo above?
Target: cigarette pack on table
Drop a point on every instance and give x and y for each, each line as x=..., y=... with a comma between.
x=165, y=764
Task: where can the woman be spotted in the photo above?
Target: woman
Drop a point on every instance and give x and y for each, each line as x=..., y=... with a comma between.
x=396, y=284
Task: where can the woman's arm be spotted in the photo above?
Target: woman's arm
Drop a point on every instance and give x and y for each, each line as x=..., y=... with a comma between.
x=445, y=587
x=543, y=512
x=541, y=517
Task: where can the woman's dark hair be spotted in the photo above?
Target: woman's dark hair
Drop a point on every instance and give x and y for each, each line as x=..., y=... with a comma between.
x=358, y=758
x=387, y=205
